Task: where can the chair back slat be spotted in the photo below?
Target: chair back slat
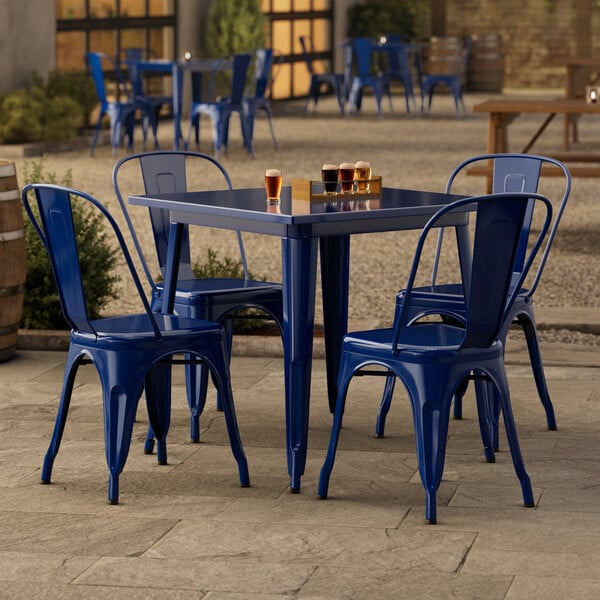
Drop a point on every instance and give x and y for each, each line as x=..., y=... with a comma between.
x=166, y=174
x=165, y=171
x=238, y=80
x=496, y=240
x=53, y=221
x=263, y=64
x=517, y=173
x=489, y=288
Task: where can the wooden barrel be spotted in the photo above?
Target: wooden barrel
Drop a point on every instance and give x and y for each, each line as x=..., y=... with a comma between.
x=438, y=54
x=13, y=260
x=486, y=65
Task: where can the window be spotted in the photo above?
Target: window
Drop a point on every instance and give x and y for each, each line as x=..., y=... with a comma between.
x=289, y=19
x=111, y=26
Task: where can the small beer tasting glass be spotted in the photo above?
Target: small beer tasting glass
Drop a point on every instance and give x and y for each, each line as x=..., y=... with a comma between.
x=362, y=175
x=346, y=177
x=329, y=177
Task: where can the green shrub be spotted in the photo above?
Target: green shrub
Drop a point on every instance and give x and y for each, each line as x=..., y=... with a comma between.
x=234, y=27
x=20, y=120
x=372, y=18
x=42, y=112
x=41, y=307
x=76, y=85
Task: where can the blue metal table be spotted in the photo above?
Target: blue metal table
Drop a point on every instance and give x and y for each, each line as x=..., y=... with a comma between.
x=301, y=224
x=177, y=69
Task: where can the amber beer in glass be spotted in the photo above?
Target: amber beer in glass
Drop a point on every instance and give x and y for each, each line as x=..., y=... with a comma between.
x=329, y=177
x=273, y=182
x=362, y=175
x=346, y=177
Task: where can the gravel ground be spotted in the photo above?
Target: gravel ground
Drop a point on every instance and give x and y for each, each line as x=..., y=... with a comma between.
x=411, y=151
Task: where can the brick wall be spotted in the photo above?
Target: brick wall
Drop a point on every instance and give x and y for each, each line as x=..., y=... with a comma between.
x=536, y=41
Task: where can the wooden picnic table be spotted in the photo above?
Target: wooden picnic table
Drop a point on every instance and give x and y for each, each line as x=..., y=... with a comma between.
x=504, y=111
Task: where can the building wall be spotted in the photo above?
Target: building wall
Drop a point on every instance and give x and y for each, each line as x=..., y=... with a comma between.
x=27, y=41
x=536, y=40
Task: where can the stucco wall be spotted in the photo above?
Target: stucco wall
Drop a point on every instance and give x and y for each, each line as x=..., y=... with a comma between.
x=27, y=41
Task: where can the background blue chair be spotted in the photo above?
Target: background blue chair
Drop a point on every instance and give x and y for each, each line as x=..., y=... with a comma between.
x=220, y=109
x=453, y=78
x=397, y=60
x=334, y=81
x=432, y=359
x=215, y=299
x=359, y=55
x=130, y=352
x=121, y=112
x=141, y=89
x=511, y=173
x=264, y=75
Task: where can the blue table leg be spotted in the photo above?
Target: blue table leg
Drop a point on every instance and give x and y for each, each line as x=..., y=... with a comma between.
x=172, y=268
x=335, y=273
x=299, y=274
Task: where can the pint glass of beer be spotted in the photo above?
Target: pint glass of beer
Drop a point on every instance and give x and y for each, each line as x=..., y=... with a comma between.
x=362, y=175
x=329, y=177
x=273, y=181
x=346, y=177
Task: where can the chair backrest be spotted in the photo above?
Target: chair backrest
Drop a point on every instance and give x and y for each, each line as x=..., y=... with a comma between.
x=489, y=290
x=238, y=77
x=361, y=50
x=53, y=222
x=306, y=45
x=518, y=173
x=165, y=171
x=96, y=62
x=263, y=65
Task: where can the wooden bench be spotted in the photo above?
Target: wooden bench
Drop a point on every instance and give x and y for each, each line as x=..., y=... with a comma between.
x=504, y=111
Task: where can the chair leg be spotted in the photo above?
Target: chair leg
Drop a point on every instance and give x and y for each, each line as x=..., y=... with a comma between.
x=120, y=406
x=196, y=380
x=157, y=384
x=384, y=407
x=220, y=372
x=535, y=358
x=61, y=418
x=513, y=441
x=430, y=396
x=486, y=420
x=325, y=475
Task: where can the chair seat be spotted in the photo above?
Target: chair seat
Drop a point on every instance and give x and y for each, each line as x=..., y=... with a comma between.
x=192, y=288
x=139, y=327
x=436, y=339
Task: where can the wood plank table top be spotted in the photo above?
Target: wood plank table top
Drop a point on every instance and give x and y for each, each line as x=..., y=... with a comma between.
x=504, y=111
x=537, y=105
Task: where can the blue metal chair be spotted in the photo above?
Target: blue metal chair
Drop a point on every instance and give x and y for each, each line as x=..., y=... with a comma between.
x=154, y=102
x=221, y=109
x=397, y=65
x=263, y=79
x=360, y=54
x=335, y=81
x=511, y=173
x=121, y=113
x=214, y=299
x=130, y=352
x=432, y=359
x=453, y=78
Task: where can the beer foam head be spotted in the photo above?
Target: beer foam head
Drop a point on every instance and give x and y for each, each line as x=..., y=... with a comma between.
x=329, y=167
x=362, y=164
x=273, y=173
x=346, y=166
